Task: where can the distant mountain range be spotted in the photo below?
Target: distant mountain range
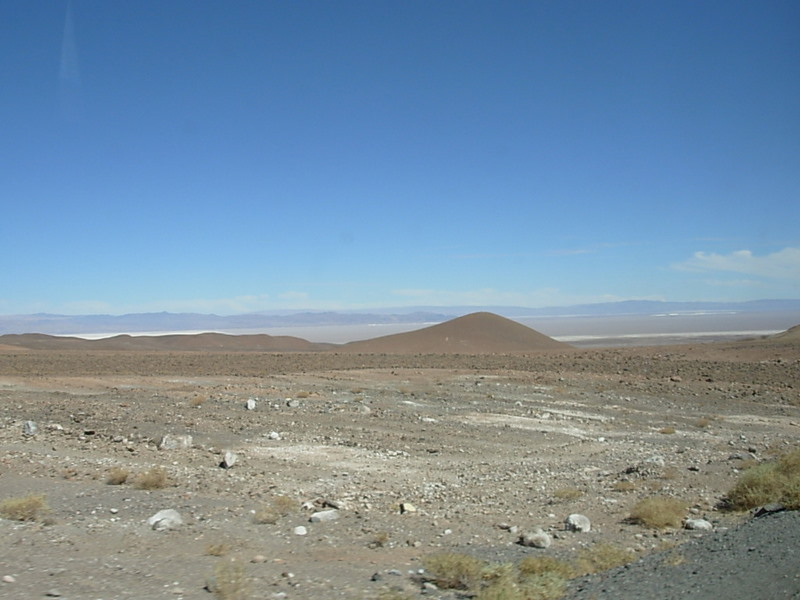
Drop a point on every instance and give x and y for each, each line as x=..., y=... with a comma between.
x=177, y=322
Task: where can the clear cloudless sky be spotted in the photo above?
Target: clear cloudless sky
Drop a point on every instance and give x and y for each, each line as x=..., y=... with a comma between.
x=245, y=155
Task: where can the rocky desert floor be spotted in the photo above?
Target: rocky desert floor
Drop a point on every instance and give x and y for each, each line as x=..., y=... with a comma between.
x=406, y=455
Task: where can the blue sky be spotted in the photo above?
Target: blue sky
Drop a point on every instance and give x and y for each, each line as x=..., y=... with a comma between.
x=190, y=155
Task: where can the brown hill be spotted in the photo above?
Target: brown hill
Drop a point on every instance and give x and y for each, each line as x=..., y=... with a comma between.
x=476, y=333
x=790, y=335
x=202, y=342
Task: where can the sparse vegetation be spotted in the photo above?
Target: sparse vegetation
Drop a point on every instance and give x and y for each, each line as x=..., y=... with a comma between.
x=27, y=508
x=197, y=401
x=153, y=479
x=669, y=430
x=230, y=581
x=117, y=476
x=623, y=486
x=217, y=549
x=537, y=565
x=702, y=422
x=658, y=512
x=566, y=494
x=379, y=539
x=602, y=557
x=278, y=507
x=453, y=570
x=774, y=481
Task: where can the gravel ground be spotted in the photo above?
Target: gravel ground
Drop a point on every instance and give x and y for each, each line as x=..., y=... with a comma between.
x=759, y=559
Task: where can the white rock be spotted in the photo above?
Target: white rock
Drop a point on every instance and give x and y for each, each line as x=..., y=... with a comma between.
x=300, y=530
x=29, y=428
x=698, y=524
x=8, y=579
x=577, y=522
x=165, y=519
x=537, y=539
x=274, y=435
x=251, y=404
x=175, y=442
x=324, y=515
x=229, y=459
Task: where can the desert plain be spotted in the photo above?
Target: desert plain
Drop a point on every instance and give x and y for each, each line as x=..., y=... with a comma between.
x=336, y=473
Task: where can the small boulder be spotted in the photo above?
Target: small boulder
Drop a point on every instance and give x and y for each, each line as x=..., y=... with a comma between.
x=175, y=442
x=251, y=404
x=165, y=519
x=324, y=515
x=300, y=530
x=537, y=539
x=576, y=522
x=697, y=525
x=228, y=460
x=30, y=428
x=407, y=507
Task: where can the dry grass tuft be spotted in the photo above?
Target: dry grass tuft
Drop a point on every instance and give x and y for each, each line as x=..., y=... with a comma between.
x=379, y=539
x=453, y=570
x=667, y=430
x=702, y=422
x=658, y=512
x=154, y=479
x=27, y=508
x=602, y=557
x=230, y=581
x=197, y=401
x=775, y=481
x=117, y=476
x=567, y=494
x=217, y=549
x=538, y=565
x=623, y=486
x=278, y=507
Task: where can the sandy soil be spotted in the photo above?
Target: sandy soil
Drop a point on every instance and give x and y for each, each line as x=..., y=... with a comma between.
x=482, y=446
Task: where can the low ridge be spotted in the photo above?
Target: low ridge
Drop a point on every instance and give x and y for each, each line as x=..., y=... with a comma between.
x=475, y=333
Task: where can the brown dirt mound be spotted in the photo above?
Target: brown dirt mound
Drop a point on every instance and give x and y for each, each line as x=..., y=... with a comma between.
x=790, y=335
x=476, y=333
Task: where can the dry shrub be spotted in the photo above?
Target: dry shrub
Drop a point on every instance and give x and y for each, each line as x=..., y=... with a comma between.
x=302, y=394
x=667, y=430
x=702, y=422
x=538, y=565
x=230, y=581
x=117, y=476
x=534, y=578
x=775, y=481
x=154, y=479
x=379, y=539
x=285, y=505
x=27, y=508
x=623, y=486
x=543, y=586
x=453, y=570
x=278, y=507
x=658, y=512
x=197, y=401
x=566, y=494
x=266, y=515
x=602, y=557
x=217, y=549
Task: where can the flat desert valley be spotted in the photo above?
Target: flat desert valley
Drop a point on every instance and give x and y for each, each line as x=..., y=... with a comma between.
x=310, y=472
